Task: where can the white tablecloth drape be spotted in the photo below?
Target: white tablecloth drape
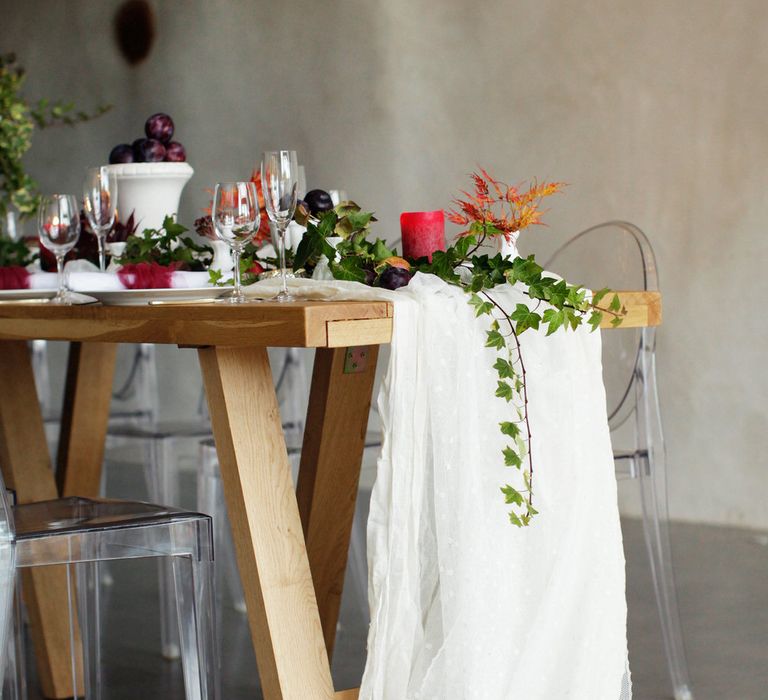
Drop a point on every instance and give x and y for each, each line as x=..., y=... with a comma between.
x=464, y=605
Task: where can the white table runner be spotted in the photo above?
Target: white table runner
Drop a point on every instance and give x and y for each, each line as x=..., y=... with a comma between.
x=464, y=605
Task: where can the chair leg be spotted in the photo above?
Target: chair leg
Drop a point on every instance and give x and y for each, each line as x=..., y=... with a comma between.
x=89, y=612
x=653, y=492
x=161, y=473
x=358, y=567
x=104, y=569
x=13, y=681
x=210, y=500
x=193, y=581
x=655, y=526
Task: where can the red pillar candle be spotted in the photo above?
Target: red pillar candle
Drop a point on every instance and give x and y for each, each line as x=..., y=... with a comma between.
x=423, y=233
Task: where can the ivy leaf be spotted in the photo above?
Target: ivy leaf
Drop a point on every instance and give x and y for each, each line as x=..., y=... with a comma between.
x=463, y=244
x=511, y=458
x=380, y=250
x=572, y=318
x=597, y=297
x=509, y=428
x=514, y=519
x=524, y=318
x=481, y=307
x=576, y=296
x=512, y=495
x=504, y=368
x=350, y=269
x=504, y=391
x=617, y=321
x=595, y=320
x=495, y=340
x=327, y=224
x=555, y=318
x=310, y=247
x=615, y=304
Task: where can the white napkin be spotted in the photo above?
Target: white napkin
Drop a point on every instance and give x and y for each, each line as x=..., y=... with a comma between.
x=84, y=276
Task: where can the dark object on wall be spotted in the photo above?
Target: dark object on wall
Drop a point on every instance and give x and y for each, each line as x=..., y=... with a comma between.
x=135, y=30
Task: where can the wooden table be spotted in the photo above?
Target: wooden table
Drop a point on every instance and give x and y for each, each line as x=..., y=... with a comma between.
x=291, y=544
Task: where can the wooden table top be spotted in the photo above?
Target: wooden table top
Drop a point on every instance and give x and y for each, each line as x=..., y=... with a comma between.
x=295, y=324
x=273, y=324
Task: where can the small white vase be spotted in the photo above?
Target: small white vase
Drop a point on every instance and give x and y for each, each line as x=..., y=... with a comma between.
x=222, y=257
x=508, y=246
x=115, y=250
x=322, y=270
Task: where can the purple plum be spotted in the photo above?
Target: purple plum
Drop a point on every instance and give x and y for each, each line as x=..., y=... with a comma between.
x=122, y=153
x=318, y=201
x=370, y=277
x=148, y=151
x=160, y=127
x=394, y=278
x=175, y=153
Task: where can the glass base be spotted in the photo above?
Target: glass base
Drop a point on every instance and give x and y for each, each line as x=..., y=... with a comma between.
x=62, y=299
x=234, y=298
x=284, y=296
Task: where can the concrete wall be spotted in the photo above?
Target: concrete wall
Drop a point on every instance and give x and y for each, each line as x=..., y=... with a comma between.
x=653, y=111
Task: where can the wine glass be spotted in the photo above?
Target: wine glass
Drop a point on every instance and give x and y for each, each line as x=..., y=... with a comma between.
x=235, y=215
x=279, y=180
x=100, y=204
x=58, y=224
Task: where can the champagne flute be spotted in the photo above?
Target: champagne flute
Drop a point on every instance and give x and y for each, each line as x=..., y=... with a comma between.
x=100, y=204
x=58, y=224
x=235, y=215
x=279, y=180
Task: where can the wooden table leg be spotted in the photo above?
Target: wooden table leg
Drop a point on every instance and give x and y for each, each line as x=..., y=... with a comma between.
x=334, y=440
x=85, y=417
x=26, y=468
x=271, y=554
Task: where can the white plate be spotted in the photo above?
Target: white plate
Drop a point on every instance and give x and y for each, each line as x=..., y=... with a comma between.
x=141, y=297
x=26, y=294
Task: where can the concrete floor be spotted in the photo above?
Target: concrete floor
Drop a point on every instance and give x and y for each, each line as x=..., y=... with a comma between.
x=722, y=578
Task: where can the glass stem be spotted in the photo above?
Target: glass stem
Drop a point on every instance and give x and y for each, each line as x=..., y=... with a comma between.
x=101, y=238
x=236, y=258
x=281, y=247
x=60, y=269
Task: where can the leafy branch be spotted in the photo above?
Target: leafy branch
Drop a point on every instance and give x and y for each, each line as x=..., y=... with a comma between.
x=166, y=246
x=18, y=119
x=15, y=253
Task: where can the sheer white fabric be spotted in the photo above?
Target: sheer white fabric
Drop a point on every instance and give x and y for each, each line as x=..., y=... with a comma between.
x=465, y=606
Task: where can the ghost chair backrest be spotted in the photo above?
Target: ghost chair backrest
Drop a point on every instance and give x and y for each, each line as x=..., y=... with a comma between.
x=619, y=256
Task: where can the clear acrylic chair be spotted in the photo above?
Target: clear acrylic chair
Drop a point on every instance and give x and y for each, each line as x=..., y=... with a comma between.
x=134, y=418
x=81, y=533
x=618, y=255
x=134, y=398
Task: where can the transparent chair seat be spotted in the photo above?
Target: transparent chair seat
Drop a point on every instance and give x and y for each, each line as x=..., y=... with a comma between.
x=74, y=515
x=161, y=430
x=80, y=533
x=618, y=255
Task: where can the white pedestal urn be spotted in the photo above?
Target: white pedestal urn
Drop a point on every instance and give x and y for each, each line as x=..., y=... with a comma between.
x=151, y=191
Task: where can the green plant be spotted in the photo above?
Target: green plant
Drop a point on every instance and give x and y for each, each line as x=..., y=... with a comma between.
x=166, y=246
x=15, y=253
x=18, y=119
